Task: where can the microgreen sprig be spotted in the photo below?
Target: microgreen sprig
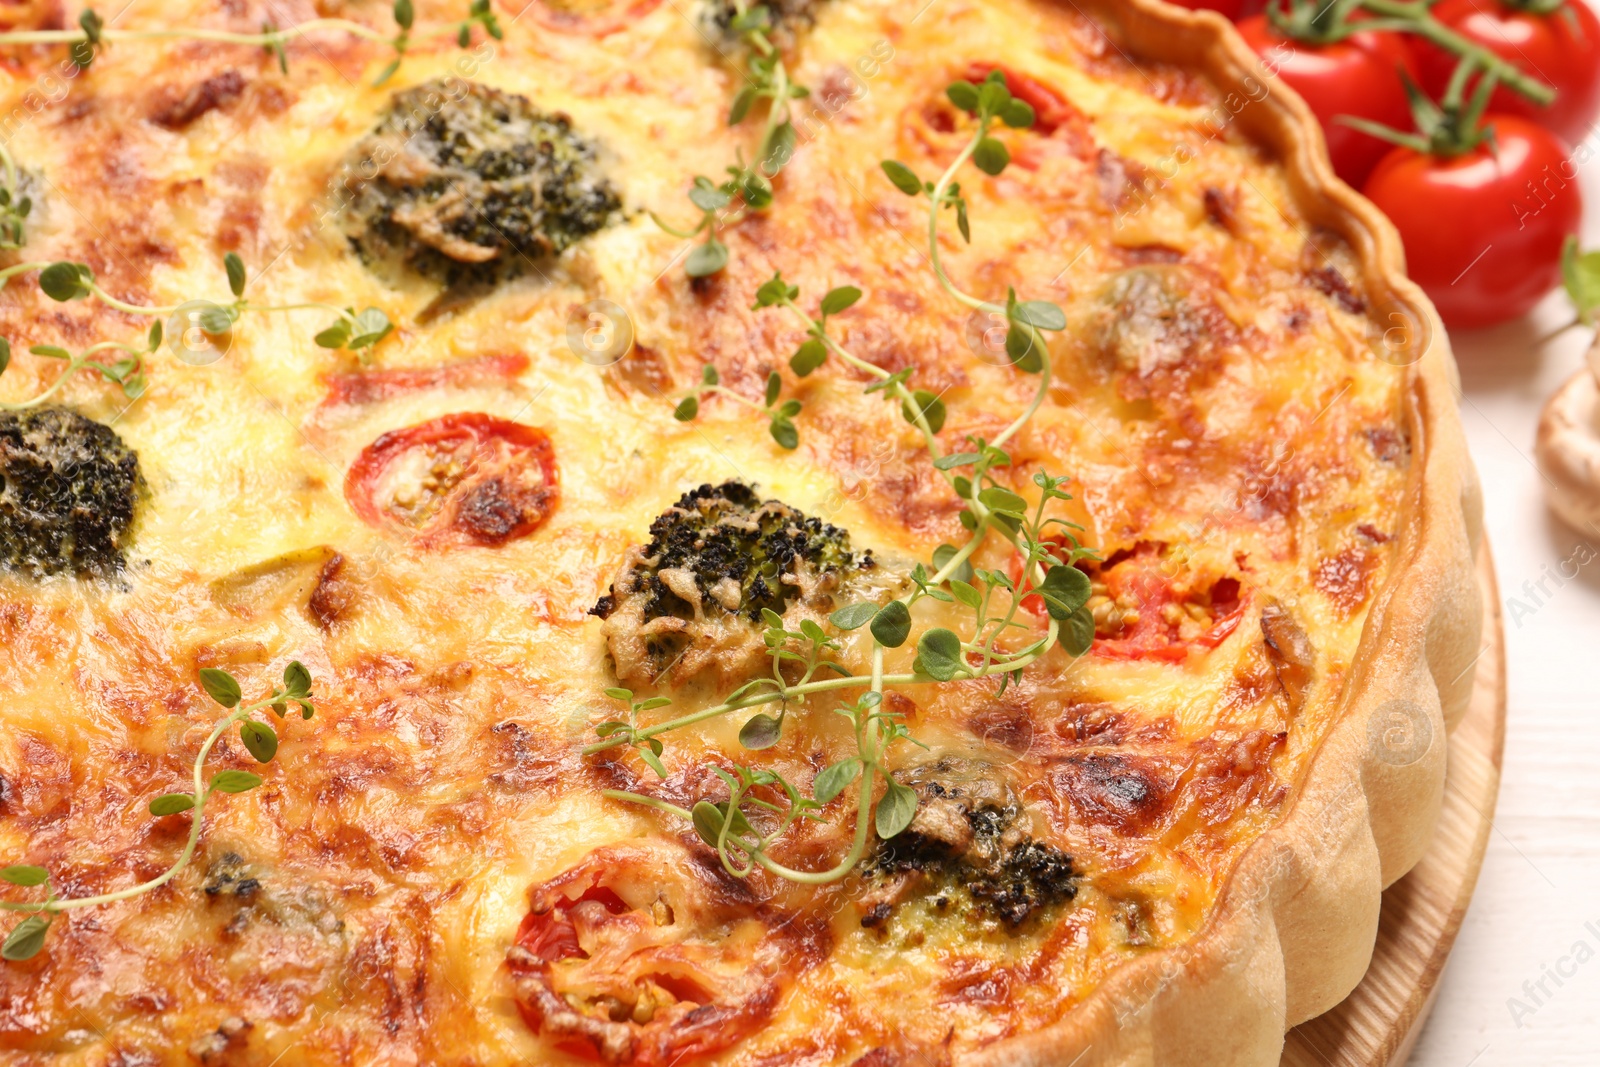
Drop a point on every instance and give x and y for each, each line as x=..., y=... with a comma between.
x=65, y=281
x=766, y=80
x=92, y=35
x=129, y=372
x=1048, y=545
x=781, y=424
x=258, y=738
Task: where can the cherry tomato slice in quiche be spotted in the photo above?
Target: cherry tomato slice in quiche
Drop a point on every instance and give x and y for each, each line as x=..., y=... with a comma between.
x=1483, y=230
x=1561, y=48
x=458, y=480
x=1357, y=76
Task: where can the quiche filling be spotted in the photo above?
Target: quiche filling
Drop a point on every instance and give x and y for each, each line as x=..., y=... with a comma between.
x=889, y=641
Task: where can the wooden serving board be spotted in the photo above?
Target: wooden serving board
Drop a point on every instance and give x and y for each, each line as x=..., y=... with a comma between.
x=1377, y=1025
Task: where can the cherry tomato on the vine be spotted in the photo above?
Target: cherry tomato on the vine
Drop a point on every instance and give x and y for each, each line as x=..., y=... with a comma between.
x=1483, y=230
x=1561, y=48
x=1357, y=76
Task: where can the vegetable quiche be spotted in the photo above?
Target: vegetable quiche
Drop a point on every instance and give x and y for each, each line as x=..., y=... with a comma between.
x=846, y=532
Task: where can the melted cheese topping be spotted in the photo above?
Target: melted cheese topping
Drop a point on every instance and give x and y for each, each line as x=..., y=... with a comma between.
x=1217, y=400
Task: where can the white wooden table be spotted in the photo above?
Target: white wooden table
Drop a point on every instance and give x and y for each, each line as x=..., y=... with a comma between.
x=1522, y=988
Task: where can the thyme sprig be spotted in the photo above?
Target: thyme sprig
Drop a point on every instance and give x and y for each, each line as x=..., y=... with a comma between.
x=762, y=806
x=767, y=80
x=782, y=415
x=258, y=738
x=65, y=281
x=92, y=35
x=128, y=373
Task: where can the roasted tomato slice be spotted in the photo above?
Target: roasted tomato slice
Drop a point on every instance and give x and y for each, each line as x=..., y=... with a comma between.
x=467, y=479
x=649, y=954
x=1140, y=613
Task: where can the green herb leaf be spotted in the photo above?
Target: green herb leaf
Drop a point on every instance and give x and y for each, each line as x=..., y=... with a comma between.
x=50, y=351
x=155, y=334
x=1077, y=632
x=708, y=197
x=1038, y=313
x=708, y=375
x=896, y=810
x=260, y=740
x=706, y=259
x=840, y=298
x=784, y=432
x=774, y=383
x=371, y=326
x=27, y=937
x=687, y=409
x=993, y=96
x=1018, y=114
x=956, y=459
x=222, y=686
x=171, y=804
x=902, y=177
x=1002, y=500
x=5, y=354
x=236, y=276
x=24, y=875
x=707, y=822
x=807, y=358
x=939, y=654
x=1580, y=276
x=963, y=94
x=780, y=148
x=742, y=100
x=854, y=616
x=404, y=14
x=944, y=554
x=832, y=781
x=387, y=72
x=235, y=782
x=296, y=679
x=930, y=406
x=1065, y=589
x=334, y=336
x=991, y=156
x=216, y=319
x=892, y=624
x=62, y=282
x=1025, y=346
x=760, y=731
x=966, y=594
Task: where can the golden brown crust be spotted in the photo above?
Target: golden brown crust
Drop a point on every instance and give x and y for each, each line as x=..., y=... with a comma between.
x=1293, y=929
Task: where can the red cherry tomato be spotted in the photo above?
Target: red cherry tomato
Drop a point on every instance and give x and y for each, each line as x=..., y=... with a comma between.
x=468, y=479
x=1358, y=76
x=1483, y=231
x=1561, y=48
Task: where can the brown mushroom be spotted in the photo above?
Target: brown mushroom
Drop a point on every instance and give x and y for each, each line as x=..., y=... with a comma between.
x=1568, y=446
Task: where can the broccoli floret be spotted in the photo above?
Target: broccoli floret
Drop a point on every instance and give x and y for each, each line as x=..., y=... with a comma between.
x=694, y=596
x=68, y=487
x=465, y=184
x=969, y=837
